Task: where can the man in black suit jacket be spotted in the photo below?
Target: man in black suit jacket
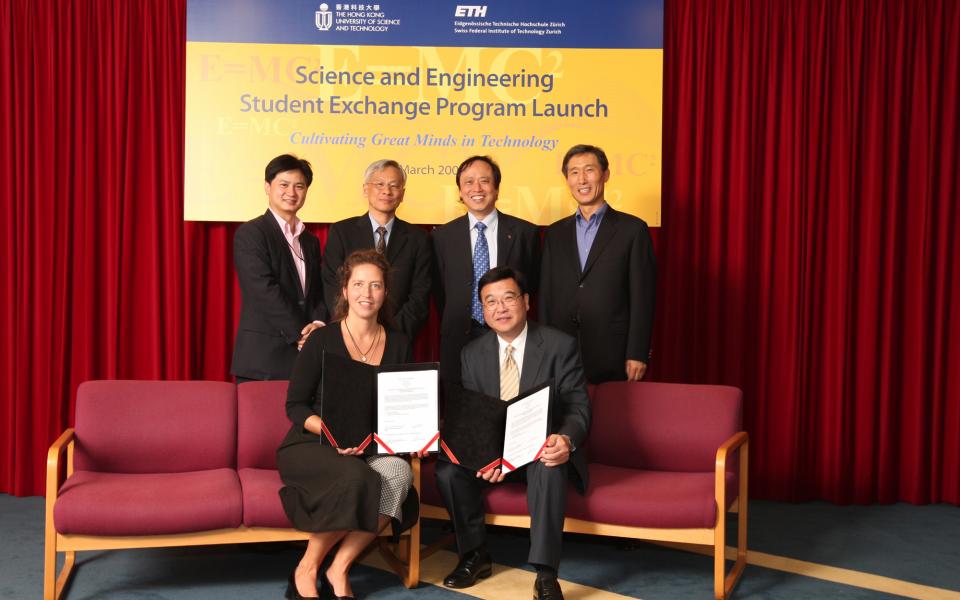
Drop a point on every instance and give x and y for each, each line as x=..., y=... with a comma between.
x=546, y=354
x=512, y=242
x=278, y=266
x=598, y=277
x=407, y=247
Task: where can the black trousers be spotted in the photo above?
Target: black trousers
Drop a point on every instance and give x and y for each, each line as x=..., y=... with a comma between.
x=462, y=493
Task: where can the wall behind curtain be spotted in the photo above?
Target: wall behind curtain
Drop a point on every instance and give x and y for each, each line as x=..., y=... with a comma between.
x=810, y=185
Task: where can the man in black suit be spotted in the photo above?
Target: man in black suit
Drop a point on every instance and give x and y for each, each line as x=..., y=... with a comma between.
x=278, y=266
x=509, y=241
x=406, y=246
x=514, y=356
x=598, y=276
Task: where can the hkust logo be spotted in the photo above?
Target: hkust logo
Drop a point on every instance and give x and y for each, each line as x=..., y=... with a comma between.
x=470, y=10
x=323, y=18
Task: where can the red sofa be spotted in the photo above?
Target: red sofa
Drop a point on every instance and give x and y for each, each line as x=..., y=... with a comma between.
x=173, y=463
x=660, y=466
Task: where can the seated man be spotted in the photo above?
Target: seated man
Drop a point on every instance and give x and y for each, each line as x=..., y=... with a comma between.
x=514, y=356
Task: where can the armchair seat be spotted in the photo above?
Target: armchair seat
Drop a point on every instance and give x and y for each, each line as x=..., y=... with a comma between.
x=94, y=503
x=642, y=498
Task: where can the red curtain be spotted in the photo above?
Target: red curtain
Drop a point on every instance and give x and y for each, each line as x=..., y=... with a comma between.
x=810, y=172
x=809, y=255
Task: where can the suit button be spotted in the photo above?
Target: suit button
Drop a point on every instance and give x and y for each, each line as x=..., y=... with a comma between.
x=580, y=286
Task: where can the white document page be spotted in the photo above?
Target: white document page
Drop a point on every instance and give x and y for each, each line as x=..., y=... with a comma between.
x=407, y=410
x=527, y=428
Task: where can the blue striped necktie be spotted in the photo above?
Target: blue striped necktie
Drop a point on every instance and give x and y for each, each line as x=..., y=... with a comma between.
x=481, y=264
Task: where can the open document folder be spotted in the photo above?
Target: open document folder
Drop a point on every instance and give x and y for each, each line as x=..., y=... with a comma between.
x=390, y=409
x=483, y=433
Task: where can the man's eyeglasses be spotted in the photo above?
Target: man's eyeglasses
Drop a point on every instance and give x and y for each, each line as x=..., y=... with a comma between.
x=508, y=301
x=380, y=185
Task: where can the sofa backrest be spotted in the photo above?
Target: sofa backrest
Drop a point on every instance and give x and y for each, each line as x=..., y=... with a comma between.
x=261, y=423
x=155, y=426
x=661, y=426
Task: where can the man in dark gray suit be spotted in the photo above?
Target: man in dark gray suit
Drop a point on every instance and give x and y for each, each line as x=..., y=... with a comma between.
x=514, y=356
x=278, y=266
x=598, y=278
x=406, y=246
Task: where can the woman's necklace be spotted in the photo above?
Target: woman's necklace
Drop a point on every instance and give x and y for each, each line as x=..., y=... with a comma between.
x=373, y=346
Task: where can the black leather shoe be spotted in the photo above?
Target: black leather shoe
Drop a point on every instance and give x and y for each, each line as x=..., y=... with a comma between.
x=475, y=565
x=547, y=588
x=292, y=593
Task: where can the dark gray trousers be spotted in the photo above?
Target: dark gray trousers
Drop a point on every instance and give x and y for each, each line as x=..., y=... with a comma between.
x=462, y=493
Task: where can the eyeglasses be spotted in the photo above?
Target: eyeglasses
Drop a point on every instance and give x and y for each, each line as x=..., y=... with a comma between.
x=382, y=185
x=508, y=301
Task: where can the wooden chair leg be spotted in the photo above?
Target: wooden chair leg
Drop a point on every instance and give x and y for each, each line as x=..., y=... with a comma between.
x=49, y=570
x=413, y=558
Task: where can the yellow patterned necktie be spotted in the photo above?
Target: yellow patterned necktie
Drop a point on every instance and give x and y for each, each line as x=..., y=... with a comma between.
x=509, y=376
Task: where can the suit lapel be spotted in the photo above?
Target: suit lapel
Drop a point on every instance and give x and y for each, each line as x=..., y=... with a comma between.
x=282, y=247
x=463, y=250
x=505, y=237
x=532, y=358
x=396, y=240
x=363, y=236
x=491, y=365
x=568, y=229
x=310, y=259
x=608, y=228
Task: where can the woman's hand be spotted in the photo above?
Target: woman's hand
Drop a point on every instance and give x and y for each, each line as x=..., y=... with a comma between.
x=349, y=451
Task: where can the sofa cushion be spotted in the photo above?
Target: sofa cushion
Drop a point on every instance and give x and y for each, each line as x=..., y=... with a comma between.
x=261, y=423
x=94, y=503
x=661, y=426
x=155, y=426
x=636, y=498
x=616, y=496
x=261, y=498
x=502, y=499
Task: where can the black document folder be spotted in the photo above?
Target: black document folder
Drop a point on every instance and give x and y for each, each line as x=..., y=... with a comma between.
x=348, y=403
x=475, y=425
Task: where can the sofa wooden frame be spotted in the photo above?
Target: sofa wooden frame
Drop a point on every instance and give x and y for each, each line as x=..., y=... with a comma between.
x=403, y=558
x=723, y=582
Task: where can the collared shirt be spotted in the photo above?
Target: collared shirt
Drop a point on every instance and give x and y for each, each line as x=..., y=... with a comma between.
x=375, y=225
x=587, y=231
x=518, y=343
x=491, y=221
x=292, y=235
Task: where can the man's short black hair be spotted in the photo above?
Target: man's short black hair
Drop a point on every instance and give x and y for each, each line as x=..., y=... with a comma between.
x=499, y=274
x=586, y=149
x=288, y=162
x=493, y=165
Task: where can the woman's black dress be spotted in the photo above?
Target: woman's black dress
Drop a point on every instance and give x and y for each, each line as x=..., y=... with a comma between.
x=324, y=491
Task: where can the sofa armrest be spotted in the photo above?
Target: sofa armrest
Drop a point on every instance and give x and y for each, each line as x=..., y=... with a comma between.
x=738, y=441
x=723, y=584
x=52, y=588
x=54, y=460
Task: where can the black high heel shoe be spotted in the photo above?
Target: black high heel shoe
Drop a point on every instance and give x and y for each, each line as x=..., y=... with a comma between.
x=332, y=594
x=292, y=593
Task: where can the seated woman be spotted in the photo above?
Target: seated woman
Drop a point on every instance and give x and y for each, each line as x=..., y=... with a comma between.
x=337, y=494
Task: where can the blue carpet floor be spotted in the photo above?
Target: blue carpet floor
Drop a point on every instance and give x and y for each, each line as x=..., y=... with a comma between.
x=917, y=544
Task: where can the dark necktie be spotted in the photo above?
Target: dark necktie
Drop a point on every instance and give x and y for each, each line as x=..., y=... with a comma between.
x=381, y=239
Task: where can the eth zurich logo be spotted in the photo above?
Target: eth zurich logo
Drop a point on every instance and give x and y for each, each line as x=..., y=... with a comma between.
x=323, y=18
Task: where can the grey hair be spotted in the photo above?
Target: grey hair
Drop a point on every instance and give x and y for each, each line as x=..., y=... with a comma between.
x=379, y=165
